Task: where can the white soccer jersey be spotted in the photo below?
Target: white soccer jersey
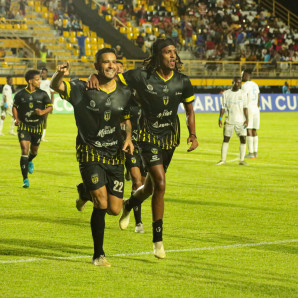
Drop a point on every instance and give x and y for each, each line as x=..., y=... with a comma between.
x=234, y=102
x=45, y=86
x=7, y=92
x=252, y=90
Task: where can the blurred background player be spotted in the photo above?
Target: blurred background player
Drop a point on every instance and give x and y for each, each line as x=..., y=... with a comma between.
x=253, y=106
x=286, y=88
x=30, y=106
x=6, y=106
x=45, y=86
x=234, y=102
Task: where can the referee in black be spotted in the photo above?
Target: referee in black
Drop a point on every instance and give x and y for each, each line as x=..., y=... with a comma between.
x=161, y=88
x=29, y=108
x=100, y=145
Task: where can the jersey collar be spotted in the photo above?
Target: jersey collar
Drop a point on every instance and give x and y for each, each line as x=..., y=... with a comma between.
x=109, y=91
x=30, y=91
x=165, y=80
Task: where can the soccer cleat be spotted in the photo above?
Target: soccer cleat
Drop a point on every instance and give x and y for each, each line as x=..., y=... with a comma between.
x=158, y=250
x=12, y=133
x=101, y=261
x=26, y=183
x=256, y=154
x=80, y=204
x=124, y=219
x=30, y=167
x=250, y=155
x=221, y=162
x=139, y=228
x=44, y=140
x=242, y=163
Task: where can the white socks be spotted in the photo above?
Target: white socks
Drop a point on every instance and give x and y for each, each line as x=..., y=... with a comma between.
x=1, y=125
x=224, y=151
x=250, y=144
x=256, y=143
x=44, y=133
x=12, y=125
x=242, y=151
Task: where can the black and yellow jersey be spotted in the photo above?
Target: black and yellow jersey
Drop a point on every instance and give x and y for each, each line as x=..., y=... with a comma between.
x=98, y=116
x=159, y=100
x=26, y=102
x=135, y=115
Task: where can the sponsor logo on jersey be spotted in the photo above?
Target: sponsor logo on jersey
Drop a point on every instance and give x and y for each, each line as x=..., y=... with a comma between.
x=107, y=115
x=92, y=103
x=108, y=103
x=30, y=98
x=150, y=87
x=164, y=114
x=178, y=93
x=106, y=131
x=165, y=89
x=157, y=125
x=94, y=178
x=166, y=100
x=154, y=158
x=154, y=150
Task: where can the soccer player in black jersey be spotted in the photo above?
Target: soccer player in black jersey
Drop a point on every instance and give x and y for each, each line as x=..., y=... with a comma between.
x=161, y=88
x=100, y=147
x=30, y=106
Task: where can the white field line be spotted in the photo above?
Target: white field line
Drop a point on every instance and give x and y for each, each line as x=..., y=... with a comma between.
x=221, y=247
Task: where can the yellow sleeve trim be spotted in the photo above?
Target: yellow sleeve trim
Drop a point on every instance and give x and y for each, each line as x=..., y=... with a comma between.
x=49, y=105
x=66, y=94
x=126, y=117
x=121, y=77
x=189, y=99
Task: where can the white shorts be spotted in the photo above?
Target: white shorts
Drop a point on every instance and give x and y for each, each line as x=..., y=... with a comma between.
x=253, y=118
x=239, y=129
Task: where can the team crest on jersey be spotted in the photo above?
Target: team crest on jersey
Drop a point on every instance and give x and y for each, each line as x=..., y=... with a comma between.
x=150, y=87
x=154, y=150
x=30, y=105
x=92, y=103
x=108, y=103
x=165, y=89
x=166, y=100
x=94, y=178
x=133, y=160
x=107, y=115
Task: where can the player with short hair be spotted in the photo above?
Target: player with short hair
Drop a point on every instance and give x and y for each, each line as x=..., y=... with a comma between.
x=100, y=148
x=234, y=102
x=45, y=86
x=6, y=106
x=253, y=105
x=161, y=88
x=29, y=107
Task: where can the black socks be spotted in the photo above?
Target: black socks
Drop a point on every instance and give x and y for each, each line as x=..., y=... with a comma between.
x=137, y=213
x=157, y=230
x=24, y=166
x=31, y=156
x=97, y=228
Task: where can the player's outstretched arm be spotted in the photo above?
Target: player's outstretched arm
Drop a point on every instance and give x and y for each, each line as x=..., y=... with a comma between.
x=191, y=125
x=128, y=145
x=57, y=78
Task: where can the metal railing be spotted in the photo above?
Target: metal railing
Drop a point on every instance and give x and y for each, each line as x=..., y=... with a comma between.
x=280, y=11
x=192, y=68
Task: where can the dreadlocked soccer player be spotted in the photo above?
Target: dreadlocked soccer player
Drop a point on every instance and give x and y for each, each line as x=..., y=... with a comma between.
x=30, y=106
x=98, y=115
x=161, y=88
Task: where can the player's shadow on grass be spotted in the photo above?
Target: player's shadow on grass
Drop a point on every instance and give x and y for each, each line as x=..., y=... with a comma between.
x=217, y=204
x=40, y=248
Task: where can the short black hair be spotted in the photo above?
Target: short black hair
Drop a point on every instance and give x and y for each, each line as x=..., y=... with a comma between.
x=236, y=78
x=103, y=51
x=8, y=78
x=44, y=69
x=247, y=71
x=30, y=74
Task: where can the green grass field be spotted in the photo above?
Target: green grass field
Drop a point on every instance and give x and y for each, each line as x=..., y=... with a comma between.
x=229, y=231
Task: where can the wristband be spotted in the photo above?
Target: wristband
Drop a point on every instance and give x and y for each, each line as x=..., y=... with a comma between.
x=219, y=118
x=5, y=105
x=192, y=134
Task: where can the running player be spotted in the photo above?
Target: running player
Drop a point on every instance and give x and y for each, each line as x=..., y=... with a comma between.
x=98, y=115
x=45, y=86
x=253, y=104
x=30, y=106
x=161, y=88
x=234, y=102
x=6, y=106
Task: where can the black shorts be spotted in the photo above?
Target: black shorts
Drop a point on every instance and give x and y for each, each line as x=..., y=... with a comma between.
x=25, y=135
x=153, y=155
x=96, y=175
x=135, y=160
